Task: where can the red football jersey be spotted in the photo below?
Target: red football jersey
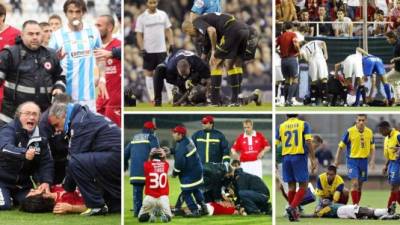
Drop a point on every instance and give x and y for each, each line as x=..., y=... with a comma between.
x=7, y=38
x=73, y=198
x=156, y=173
x=286, y=42
x=221, y=209
x=250, y=146
x=111, y=107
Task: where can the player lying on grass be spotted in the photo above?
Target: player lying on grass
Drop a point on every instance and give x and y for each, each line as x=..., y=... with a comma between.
x=221, y=208
x=336, y=210
x=57, y=201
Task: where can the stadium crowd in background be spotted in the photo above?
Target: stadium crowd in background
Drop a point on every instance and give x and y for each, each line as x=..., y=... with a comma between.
x=257, y=14
x=384, y=13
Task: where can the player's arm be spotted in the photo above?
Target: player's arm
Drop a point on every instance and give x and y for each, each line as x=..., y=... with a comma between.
x=338, y=192
x=311, y=153
x=385, y=167
x=63, y=208
x=362, y=51
x=319, y=190
x=235, y=150
x=350, y=30
x=341, y=146
x=139, y=39
x=296, y=44
x=127, y=156
x=323, y=211
x=372, y=160
x=394, y=60
x=325, y=50
x=193, y=16
x=212, y=34
x=225, y=149
x=266, y=148
x=170, y=39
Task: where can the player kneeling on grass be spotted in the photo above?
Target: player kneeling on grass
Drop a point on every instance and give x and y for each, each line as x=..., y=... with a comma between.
x=57, y=201
x=156, y=202
x=331, y=186
x=336, y=210
x=190, y=171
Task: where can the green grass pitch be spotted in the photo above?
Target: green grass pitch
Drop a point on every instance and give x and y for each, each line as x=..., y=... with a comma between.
x=15, y=217
x=370, y=198
x=174, y=190
x=335, y=109
x=169, y=107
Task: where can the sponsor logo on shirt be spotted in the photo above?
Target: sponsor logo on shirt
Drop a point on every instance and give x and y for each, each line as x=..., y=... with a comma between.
x=80, y=54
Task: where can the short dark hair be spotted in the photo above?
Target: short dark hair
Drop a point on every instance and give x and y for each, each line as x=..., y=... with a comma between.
x=341, y=10
x=362, y=115
x=332, y=168
x=44, y=24
x=391, y=34
x=78, y=3
x=37, y=204
x=380, y=12
x=318, y=139
x=235, y=163
x=3, y=11
x=292, y=115
x=287, y=25
x=182, y=64
x=384, y=124
x=62, y=97
x=29, y=22
x=110, y=19
x=55, y=16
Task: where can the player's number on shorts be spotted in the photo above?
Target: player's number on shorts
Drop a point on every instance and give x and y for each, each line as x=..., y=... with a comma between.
x=289, y=135
x=158, y=180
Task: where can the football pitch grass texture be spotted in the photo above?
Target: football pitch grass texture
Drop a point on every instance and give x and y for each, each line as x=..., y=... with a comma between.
x=336, y=109
x=15, y=217
x=168, y=107
x=369, y=198
x=174, y=191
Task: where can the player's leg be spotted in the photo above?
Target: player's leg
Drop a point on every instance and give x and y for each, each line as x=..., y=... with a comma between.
x=361, y=92
x=354, y=175
x=166, y=213
x=137, y=198
x=247, y=200
x=323, y=77
x=199, y=197
x=149, y=203
x=216, y=80
x=235, y=72
x=344, y=196
x=177, y=210
x=312, y=72
x=5, y=198
x=393, y=78
x=191, y=204
x=158, y=83
x=363, y=212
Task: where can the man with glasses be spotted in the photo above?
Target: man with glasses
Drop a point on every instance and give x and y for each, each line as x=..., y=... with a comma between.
x=23, y=153
x=360, y=145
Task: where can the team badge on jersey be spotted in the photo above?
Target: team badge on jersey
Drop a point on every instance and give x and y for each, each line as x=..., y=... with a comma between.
x=47, y=65
x=109, y=61
x=199, y=3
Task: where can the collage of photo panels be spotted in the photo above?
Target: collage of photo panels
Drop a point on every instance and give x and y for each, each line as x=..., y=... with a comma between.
x=120, y=112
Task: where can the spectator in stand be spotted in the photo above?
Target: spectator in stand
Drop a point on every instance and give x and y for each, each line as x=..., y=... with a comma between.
x=325, y=29
x=287, y=10
x=309, y=30
x=322, y=153
x=344, y=25
x=379, y=27
x=353, y=8
x=394, y=16
x=312, y=8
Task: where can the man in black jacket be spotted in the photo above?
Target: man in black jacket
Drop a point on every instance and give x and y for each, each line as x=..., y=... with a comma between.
x=252, y=193
x=23, y=153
